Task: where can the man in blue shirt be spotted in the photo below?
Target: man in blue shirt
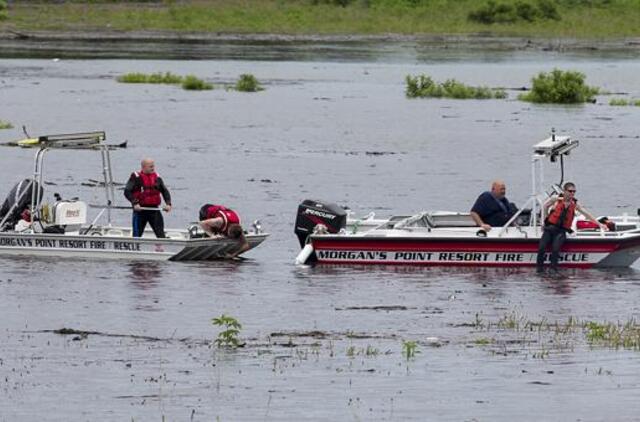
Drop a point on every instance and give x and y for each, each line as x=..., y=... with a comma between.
x=492, y=209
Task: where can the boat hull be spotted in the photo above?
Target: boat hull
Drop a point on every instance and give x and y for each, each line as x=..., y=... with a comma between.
x=492, y=252
x=120, y=247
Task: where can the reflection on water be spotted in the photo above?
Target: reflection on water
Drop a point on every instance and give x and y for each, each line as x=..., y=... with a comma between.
x=145, y=275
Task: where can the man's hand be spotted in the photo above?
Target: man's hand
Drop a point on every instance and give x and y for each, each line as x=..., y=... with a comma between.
x=167, y=208
x=603, y=227
x=486, y=227
x=137, y=207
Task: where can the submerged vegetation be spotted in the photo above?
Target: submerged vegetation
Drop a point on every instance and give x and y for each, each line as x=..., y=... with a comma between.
x=580, y=18
x=189, y=82
x=560, y=87
x=616, y=335
x=193, y=83
x=624, y=102
x=153, y=78
x=422, y=86
x=5, y=125
x=248, y=83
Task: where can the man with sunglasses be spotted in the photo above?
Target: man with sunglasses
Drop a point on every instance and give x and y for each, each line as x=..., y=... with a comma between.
x=561, y=211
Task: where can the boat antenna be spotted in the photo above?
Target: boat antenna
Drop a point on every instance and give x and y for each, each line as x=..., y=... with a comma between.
x=24, y=130
x=561, y=170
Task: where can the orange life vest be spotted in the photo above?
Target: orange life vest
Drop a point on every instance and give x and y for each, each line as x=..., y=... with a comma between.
x=557, y=214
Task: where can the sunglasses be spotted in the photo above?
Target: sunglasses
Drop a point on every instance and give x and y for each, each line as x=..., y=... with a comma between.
x=571, y=190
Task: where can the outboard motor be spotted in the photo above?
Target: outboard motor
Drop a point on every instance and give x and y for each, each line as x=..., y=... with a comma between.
x=18, y=199
x=311, y=213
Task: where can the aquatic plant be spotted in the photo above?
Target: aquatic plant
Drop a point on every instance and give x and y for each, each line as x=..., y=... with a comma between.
x=248, y=83
x=612, y=335
x=192, y=83
x=623, y=102
x=228, y=337
x=409, y=349
x=153, y=78
x=560, y=87
x=618, y=102
x=483, y=341
x=422, y=86
x=369, y=351
x=497, y=13
x=5, y=125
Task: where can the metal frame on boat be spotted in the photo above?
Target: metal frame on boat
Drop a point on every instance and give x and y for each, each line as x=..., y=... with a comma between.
x=328, y=235
x=61, y=230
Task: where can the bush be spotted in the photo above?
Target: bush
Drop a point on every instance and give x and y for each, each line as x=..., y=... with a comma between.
x=248, y=83
x=5, y=125
x=560, y=87
x=423, y=86
x=3, y=10
x=192, y=83
x=494, y=12
x=548, y=10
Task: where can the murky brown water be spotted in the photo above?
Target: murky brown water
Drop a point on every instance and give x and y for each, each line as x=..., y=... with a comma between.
x=307, y=135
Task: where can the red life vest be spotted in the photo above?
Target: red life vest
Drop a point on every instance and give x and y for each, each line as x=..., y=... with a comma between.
x=556, y=214
x=228, y=216
x=148, y=194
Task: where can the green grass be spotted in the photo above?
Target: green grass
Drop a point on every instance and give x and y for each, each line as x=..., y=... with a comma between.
x=192, y=83
x=579, y=19
x=5, y=125
x=422, y=86
x=560, y=87
x=153, y=78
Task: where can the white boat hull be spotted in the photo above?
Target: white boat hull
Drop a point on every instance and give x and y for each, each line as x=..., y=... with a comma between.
x=121, y=247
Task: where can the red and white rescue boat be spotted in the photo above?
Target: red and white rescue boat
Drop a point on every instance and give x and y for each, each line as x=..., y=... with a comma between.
x=328, y=235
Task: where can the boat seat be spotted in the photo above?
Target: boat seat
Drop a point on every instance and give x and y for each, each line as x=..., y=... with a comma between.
x=175, y=235
x=452, y=220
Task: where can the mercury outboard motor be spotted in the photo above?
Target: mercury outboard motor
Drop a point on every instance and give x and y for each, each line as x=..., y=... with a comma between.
x=312, y=213
x=18, y=199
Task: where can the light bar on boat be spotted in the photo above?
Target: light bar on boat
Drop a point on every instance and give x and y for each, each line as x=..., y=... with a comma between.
x=555, y=146
x=73, y=140
x=82, y=140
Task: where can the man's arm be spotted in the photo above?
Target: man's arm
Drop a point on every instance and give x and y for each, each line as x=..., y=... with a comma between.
x=475, y=215
x=546, y=205
x=587, y=214
x=128, y=189
x=165, y=194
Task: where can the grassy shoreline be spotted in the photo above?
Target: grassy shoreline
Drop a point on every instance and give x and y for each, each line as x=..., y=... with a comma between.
x=616, y=20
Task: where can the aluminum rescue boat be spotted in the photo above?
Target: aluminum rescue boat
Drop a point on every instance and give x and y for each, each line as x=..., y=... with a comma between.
x=61, y=228
x=328, y=234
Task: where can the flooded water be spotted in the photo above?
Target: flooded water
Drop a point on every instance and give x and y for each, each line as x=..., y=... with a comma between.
x=326, y=343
